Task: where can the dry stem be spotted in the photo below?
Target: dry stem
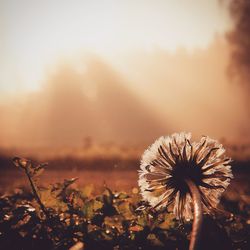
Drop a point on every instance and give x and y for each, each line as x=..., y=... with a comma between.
x=197, y=222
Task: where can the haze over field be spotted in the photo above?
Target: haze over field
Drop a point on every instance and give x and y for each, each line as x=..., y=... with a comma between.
x=124, y=72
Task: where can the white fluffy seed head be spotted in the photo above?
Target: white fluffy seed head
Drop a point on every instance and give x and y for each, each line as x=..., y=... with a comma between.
x=170, y=160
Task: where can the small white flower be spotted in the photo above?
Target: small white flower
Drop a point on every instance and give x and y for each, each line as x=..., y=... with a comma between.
x=171, y=160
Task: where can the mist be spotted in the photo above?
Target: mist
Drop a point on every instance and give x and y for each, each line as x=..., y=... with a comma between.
x=73, y=105
x=131, y=101
x=238, y=38
x=194, y=91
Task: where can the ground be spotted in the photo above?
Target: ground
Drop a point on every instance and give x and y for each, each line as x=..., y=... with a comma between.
x=99, y=210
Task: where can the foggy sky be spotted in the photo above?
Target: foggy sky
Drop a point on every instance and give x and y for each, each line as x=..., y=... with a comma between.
x=149, y=94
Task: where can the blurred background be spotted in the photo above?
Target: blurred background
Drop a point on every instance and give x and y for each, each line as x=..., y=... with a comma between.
x=88, y=85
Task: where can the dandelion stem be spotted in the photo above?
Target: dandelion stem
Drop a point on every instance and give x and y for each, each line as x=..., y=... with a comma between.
x=197, y=222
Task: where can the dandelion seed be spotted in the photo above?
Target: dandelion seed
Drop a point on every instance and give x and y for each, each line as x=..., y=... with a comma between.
x=176, y=173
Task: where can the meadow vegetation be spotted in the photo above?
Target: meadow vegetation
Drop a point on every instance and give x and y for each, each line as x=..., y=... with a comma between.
x=58, y=216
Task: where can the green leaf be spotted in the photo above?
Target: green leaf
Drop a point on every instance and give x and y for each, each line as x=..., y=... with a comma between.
x=59, y=189
x=90, y=207
x=142, y=219
x=121, y=196
x=125, y=209
x=50, y=198
x=108, y=196
x=87, y=190
x=76, y=200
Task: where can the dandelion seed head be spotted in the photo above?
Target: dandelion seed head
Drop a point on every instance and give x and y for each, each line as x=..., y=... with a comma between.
x=170, y=160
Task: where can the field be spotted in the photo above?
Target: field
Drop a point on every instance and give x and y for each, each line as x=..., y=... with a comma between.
x=117, y=173
x=122, y=180
x=98, y=210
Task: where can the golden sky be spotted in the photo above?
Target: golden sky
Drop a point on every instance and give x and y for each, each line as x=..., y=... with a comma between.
x=36, y=34
x=125, y=71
